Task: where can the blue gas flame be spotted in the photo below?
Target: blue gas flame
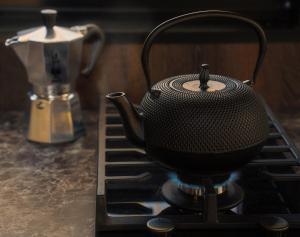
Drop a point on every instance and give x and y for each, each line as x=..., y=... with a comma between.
x=173, y=176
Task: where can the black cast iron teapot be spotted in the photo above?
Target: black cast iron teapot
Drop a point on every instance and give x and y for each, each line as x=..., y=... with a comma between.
x=200, y=124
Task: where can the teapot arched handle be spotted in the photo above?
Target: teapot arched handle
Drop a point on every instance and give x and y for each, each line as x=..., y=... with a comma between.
x=197, y=15
x=92, y=34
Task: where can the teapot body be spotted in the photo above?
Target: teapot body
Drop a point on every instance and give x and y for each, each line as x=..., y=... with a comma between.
x=206, y=132
x=198, y=124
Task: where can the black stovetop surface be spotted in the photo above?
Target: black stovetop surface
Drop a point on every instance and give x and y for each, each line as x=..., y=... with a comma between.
x=129, y=187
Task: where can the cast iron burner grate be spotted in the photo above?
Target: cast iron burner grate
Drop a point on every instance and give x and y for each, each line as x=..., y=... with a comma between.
x=129, y=188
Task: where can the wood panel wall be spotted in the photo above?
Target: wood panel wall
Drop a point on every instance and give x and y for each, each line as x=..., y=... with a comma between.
x=119, y=69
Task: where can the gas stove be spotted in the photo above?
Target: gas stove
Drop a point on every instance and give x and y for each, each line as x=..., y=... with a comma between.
x=137, y=197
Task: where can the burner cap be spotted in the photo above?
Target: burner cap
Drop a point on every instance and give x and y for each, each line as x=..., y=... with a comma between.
x=160, y=225
x=274, y=223
x=176, y=197
x=199, y=190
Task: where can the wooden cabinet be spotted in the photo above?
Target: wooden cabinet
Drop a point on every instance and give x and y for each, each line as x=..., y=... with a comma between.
x=119, y=69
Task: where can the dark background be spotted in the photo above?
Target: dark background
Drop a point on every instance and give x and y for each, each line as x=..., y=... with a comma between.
x=230, y=49
x=131, y=18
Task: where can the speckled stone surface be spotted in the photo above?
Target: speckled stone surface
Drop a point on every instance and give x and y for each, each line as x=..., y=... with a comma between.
x=46, y=190
x=50, y=190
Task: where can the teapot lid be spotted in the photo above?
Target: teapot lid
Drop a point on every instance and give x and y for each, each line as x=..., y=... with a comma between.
x=49, y=33
x=204, y=82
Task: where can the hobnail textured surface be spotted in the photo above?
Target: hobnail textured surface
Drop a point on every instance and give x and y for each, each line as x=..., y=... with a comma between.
x=203, y=122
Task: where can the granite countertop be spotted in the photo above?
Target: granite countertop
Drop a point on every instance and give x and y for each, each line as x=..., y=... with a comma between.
x=50, y=190
x=46, y=190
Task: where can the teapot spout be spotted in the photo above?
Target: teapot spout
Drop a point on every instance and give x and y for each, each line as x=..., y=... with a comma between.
x=132, y=119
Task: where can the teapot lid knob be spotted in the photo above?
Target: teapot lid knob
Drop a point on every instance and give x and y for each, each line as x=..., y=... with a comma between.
x=49, y=19
x=204, y=77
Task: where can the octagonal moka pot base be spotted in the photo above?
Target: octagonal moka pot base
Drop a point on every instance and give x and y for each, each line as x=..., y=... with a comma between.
x=54, y=120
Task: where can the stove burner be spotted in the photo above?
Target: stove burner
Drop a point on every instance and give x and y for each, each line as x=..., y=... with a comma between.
x=228, y=196
x=197, y=187
x=199, y=191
